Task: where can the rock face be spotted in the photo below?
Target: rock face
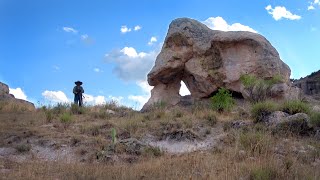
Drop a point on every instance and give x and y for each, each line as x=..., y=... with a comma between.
x=10, y=103
x=310, y=85
x=206, y=60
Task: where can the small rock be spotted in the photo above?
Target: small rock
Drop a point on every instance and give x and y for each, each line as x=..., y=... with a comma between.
x=275, y=117
x=239, y=124
x=298, y=123
x=109, y=111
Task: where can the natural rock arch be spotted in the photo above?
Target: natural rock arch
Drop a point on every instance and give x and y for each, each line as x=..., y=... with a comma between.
x=206, y=60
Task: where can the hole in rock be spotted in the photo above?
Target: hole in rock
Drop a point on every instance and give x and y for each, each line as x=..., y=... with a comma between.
x=184, y=89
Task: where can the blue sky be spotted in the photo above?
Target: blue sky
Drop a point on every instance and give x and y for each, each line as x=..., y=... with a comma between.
x=46, y=45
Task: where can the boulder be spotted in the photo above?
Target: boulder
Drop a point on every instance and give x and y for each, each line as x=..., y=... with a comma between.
x=4, y=89
x=9, y=103
x=275, y=118
x=206, y=60
x=298, y=123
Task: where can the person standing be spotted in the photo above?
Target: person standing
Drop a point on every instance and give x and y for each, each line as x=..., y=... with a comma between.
x=77, y=91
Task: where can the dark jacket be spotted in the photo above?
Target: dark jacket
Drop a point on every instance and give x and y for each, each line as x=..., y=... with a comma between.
x=78, y=90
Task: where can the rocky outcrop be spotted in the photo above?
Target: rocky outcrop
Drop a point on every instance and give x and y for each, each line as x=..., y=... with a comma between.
x=310, y=85
x=206, y=60
x=9, y=103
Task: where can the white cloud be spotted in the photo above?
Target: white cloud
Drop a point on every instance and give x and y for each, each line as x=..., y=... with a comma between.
x=218, y=23
x=97, y=70
x=152, y=40
x=18, y=93
x=84, y=36
x=313, y=29
x=313, y=4
x=146, y=88
x=137, y=28
x=55, y=67
x=131, y=65
x=55, y=96
x=117, y=99
x=125, y=29
x=70, y=30
x=280, y=12
x=140, y=100
x=184, y=90
x=311, y=7
x=93, y=100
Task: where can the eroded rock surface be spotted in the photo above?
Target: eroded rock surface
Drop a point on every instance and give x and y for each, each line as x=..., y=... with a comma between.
x=10, y=103
x=206, y=60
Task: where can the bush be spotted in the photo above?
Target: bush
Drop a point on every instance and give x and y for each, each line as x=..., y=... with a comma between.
x=75, y=109
x=60, y=108
x=222, y=101
x=315, y=119
x=49, y=115
x=66, y=117
x=153, y=151
x=22, y=148
x=265, y=173
x=260, y=110
x=259, y=89
x=294, y=107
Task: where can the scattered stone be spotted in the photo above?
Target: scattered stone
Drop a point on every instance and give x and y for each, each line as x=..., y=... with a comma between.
x=180, y=135
x=109, y=111
x=275, y=118
x=298, y=123
x=240, y=124
x=316, y=109
x=133, y=146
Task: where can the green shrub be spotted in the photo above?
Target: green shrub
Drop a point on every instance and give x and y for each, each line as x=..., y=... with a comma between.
x=49, y=115
x=153, y=151
x=259, y=89
x=60, y=108
x=295, y=106
x=66, y=117
x=112, y=105
x=265, y=173
x=22, y=148
x=114, y=135
x=75, y=109
x=262, y=109
x=222, y=101
x=315, y=119
x=210, y=117
x=248, y=81
x=274, y=80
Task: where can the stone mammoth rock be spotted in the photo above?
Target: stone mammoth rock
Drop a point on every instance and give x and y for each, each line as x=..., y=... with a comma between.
x=206, y=60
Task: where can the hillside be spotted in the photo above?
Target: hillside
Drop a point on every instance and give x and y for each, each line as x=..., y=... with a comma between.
x=112, y=142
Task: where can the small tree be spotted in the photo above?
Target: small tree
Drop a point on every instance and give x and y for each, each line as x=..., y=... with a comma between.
x=222, y=101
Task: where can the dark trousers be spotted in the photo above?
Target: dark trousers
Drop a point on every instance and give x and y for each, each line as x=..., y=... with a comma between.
x=78, y=99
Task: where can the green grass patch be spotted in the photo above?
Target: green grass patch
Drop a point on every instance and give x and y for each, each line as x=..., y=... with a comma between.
x=295, y=106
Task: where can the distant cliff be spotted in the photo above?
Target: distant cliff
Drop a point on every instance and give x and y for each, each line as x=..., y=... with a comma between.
x=310, y=84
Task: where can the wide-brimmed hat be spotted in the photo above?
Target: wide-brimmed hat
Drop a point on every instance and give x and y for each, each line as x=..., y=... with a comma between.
x=78, y=82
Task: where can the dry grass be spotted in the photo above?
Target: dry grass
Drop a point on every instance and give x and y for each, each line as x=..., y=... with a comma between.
x=250, y=153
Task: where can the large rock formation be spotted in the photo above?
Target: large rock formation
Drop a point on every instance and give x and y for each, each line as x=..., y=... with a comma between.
x=310, y=85
x=206, y=60
x=9, y=103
